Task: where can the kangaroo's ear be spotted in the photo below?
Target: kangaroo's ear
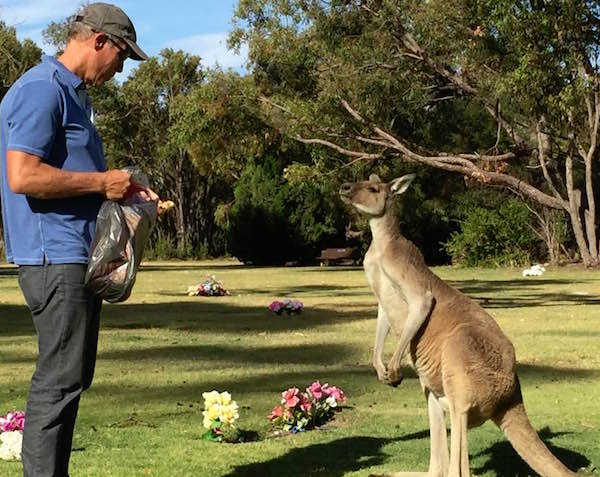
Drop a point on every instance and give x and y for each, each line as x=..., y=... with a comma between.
x=399, y=185
x=374, y=178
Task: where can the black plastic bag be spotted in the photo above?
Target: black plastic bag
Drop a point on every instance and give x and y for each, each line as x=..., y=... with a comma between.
x=122, y=231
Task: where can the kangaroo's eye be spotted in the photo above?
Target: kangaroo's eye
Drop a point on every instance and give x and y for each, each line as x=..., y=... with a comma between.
x=373, y=189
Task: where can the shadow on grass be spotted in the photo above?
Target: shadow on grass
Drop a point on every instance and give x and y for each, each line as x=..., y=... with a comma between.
x=240, y=382
x=267, y=382
x=15, y=320
x=352, y=454
x=504, y=460
x=291, y=354
x=183, y=266
x=186, y=266
x=205, y=314
x=214, y=316
x=332, y=459
x=533, y=372
x=529, y=295
x=312, y=290
x=9, y=272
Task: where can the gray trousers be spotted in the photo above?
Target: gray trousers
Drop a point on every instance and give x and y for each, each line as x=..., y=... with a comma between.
x=66, y=317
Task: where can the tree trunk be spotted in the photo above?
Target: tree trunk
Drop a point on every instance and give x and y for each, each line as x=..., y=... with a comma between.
x=574, y=208
x=180, y=231
x=590, y=213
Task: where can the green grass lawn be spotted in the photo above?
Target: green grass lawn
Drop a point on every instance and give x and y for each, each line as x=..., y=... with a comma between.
x=161, y=350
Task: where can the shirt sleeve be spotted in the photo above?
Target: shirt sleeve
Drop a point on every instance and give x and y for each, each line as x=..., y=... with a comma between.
x=34, y=118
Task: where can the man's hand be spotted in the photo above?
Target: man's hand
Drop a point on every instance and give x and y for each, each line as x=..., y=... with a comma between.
x=116, y=184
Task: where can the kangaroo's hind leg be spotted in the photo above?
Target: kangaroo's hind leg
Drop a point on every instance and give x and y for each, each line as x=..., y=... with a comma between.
x=438, y=461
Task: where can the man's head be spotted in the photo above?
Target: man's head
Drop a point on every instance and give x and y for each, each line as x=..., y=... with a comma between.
x=108, y=37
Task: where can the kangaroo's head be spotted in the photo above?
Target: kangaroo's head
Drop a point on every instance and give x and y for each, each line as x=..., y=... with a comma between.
x=373, y=197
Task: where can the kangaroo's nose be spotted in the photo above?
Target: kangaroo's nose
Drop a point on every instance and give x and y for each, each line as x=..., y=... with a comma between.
x=345, y=188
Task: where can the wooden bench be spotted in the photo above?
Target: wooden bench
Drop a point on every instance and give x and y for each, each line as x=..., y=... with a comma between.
x=338, y=255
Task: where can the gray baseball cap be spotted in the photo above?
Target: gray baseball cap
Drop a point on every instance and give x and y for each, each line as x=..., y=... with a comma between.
x=110, y=19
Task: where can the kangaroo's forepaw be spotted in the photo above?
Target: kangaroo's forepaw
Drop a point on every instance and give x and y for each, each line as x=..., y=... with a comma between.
x=381, y=373
x=393, y=377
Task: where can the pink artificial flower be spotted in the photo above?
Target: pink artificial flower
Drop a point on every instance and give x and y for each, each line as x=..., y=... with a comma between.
x=305, y=403
x=275, y=413
x=275, y=306
x=316, y=390
x=290, y=397
x=13, y=421
x=334, y=391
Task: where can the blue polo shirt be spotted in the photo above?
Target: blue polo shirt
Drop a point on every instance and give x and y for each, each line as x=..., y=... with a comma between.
x=45, y=114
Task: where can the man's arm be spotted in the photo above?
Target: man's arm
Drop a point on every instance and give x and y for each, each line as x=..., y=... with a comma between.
x=27, y=174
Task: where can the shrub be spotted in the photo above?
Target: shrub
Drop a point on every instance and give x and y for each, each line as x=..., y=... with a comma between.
x=273, y=221
x=493, y=237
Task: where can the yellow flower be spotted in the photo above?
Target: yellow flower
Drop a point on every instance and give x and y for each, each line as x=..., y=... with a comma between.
x=225, y=398
x=229, y=414
x=214, y=411
x=211, y=398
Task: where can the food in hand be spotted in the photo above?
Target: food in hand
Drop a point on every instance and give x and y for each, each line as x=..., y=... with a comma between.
x=164, y=205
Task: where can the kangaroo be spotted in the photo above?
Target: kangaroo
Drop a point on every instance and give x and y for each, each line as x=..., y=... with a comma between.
x=465, y=363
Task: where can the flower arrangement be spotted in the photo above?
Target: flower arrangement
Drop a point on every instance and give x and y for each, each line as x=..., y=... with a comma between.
x=11, y=435
x=209, y=287
x=219, y=412
x=288, y=306
x=300, y=411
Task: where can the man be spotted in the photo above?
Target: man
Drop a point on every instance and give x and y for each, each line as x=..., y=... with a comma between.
x=54, y=179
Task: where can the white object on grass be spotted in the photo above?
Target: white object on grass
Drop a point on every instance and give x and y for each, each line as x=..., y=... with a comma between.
x=534, y=271
x=10, y=445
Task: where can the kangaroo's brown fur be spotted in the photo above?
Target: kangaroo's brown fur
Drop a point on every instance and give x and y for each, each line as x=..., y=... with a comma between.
x=464, y=361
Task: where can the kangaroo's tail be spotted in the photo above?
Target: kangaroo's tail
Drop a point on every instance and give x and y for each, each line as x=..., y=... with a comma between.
x=515, y=424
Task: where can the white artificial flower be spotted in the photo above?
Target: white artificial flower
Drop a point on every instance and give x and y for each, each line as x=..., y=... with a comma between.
x=211, y=398
x=331, y=401
x=10, y=447
x=534, y=271
x=225, y=398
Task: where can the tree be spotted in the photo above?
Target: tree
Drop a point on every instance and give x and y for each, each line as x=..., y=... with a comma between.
x=274, y=220
x=369, y=78
x=220, y=126
x=136, y=121
x=57, y=33
x=16, y=57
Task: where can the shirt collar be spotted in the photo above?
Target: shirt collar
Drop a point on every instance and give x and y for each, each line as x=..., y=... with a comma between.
x=66, y=75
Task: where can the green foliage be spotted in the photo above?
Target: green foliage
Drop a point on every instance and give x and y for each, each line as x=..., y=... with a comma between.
x=499, y=236
x=273, y=221
x=57, y=33
x=259, y=230
x=16, y=57
x=438, y=78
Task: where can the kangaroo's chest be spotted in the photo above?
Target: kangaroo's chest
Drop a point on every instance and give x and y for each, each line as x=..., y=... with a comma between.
x=389, y=296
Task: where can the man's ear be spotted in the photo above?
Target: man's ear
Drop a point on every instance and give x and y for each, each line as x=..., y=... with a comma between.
x=100, y=40
x=374, y=178
x=400, y=184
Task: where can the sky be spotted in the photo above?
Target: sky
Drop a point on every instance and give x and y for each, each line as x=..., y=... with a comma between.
x=199, y=27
